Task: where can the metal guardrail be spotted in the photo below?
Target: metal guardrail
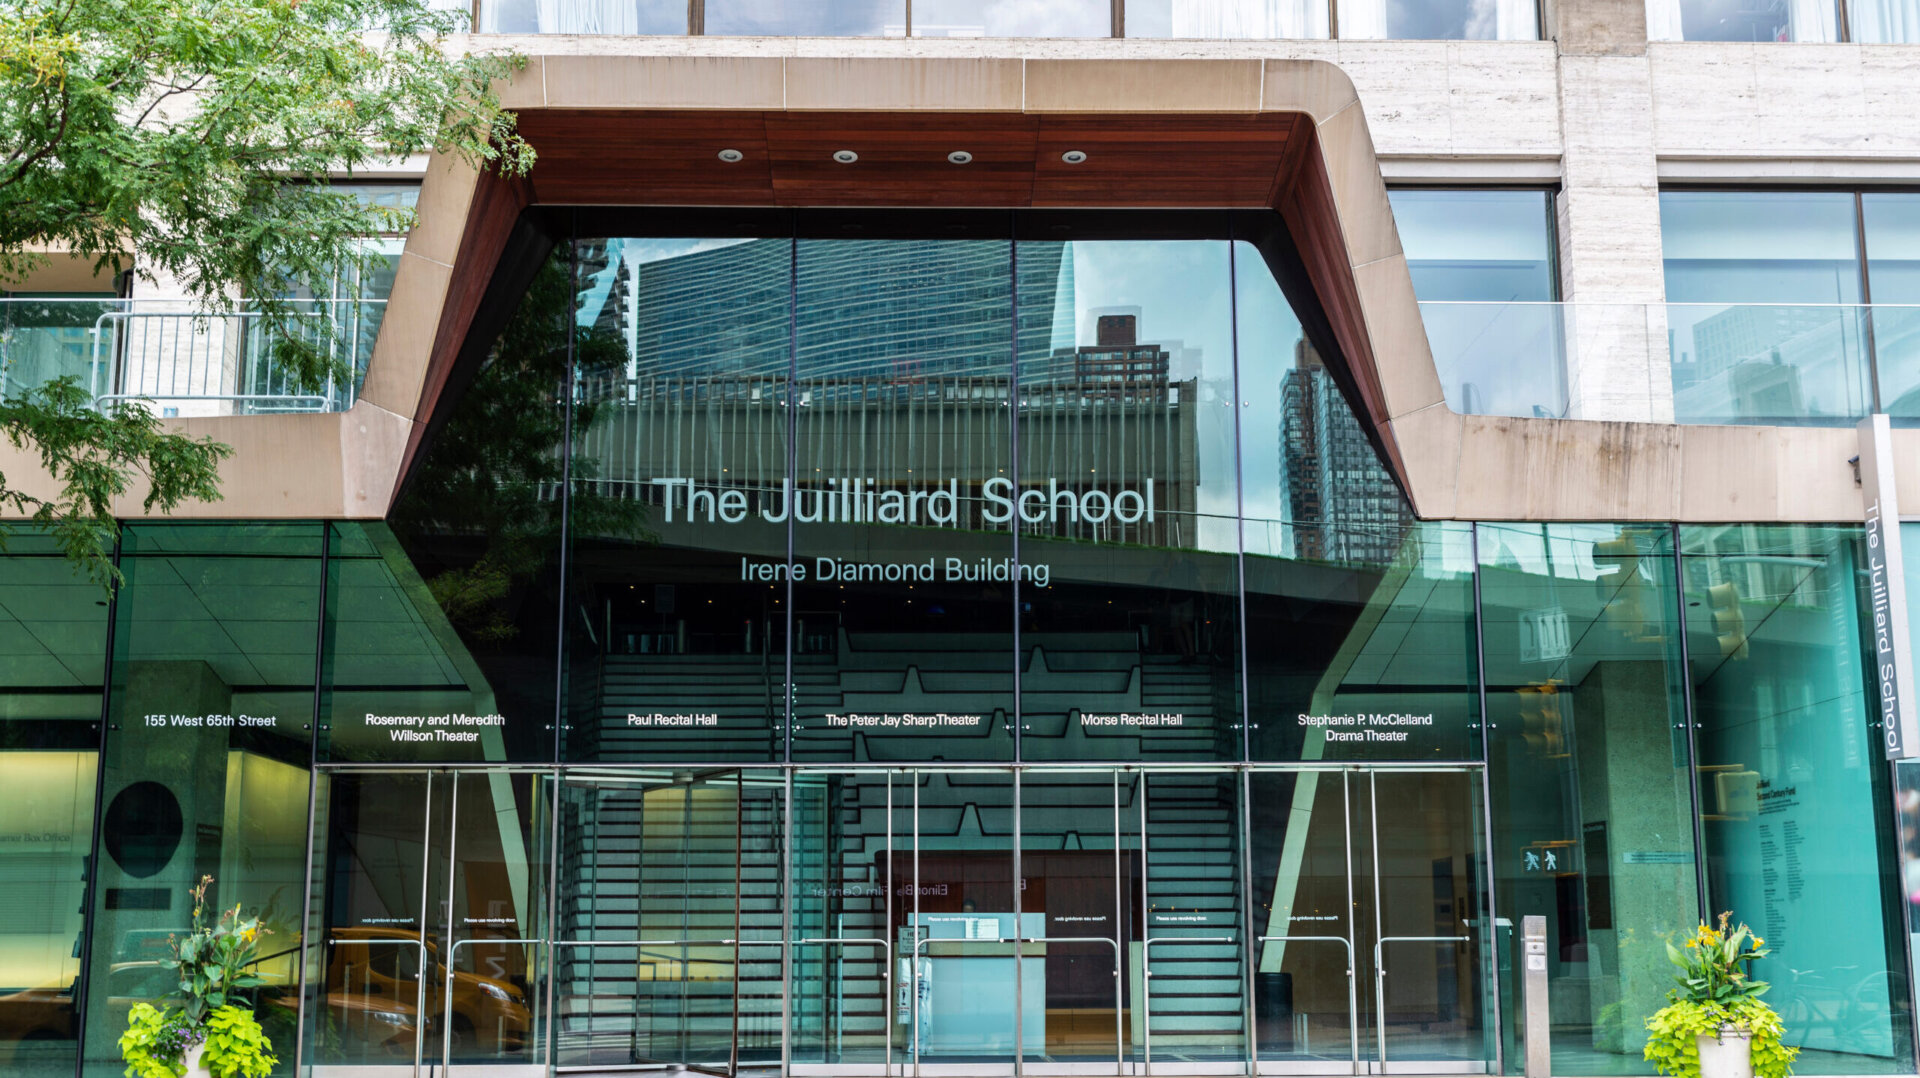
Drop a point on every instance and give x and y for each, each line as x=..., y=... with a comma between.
x=188, y=362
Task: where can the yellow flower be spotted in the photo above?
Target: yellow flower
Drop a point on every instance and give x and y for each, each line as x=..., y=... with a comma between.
x=246, y=935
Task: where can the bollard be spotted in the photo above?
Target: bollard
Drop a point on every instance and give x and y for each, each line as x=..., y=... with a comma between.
x=1533, y=984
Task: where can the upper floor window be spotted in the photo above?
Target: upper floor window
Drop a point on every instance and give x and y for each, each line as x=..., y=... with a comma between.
x=1478, y=245
x=1868, y=21
x=1792, y=306
x=1483, y=269
x=1358, y=19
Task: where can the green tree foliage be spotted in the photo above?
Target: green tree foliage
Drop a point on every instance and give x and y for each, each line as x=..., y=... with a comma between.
x=93, y=456
x=196, y=140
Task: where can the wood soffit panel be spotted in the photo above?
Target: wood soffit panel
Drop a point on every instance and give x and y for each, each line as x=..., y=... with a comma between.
x=669, y=157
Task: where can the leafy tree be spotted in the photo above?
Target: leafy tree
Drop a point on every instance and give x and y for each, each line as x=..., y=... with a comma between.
x=195, y=140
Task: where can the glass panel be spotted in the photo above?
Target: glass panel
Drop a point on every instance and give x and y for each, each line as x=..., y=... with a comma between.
x=1078, y=875
x=1428, y=953
x=1760, y=247
x=665, y=871
x=1129, y=612
x=1504, y=20
x=1506, y=358
x=374, y=866
x=1883, y=22
x=1229, y=19
x=489, y=977
x=398, y=682
x=1794, y=798
x=846, y=826
x=781, y=18
x=1004, y=18
x=45, y=339
x=1356, y=661
x=584, y=17
x=969, y=994
x=1194, y=948
x=1483, y=266
x=1487, y=246
x=1307, y=1003
x=1892, y=226
x=1592, y=811
x=1740, y=20
x=470, y=590
x=53, y=635
x=903, y=598
x=1772, y=364
x=677, y=627
x=207, y=758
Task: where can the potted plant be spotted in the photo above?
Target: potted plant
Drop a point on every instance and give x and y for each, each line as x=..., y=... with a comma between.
x=1715, y=1025
x=212, y=1033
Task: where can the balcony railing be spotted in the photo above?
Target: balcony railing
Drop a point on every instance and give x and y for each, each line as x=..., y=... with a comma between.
x=185, y=362
x=1706, y=363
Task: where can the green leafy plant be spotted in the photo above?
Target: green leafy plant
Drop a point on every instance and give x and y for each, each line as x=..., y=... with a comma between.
x=236, y=1045
x=212, y=959
x=1715, y=989
x=155, y=1042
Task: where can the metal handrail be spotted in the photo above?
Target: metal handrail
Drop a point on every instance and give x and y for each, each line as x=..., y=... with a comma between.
x=420, y=981
x=1146, y=985
x=1119, y=1033
x=1380, y=979
x=1353, y=992
x=886, y=975
x=446, y=1047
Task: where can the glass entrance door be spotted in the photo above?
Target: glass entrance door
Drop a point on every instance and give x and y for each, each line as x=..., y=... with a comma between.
x=427, y=949
x=1372, y=957
x=669, y=921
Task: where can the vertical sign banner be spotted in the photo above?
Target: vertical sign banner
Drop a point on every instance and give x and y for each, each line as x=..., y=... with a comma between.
x=1887, y=591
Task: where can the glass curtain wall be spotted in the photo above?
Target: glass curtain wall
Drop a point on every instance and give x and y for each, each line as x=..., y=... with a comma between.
x=1589, y=762
x=53, y=639
x=1795, y=810
x=208, y=758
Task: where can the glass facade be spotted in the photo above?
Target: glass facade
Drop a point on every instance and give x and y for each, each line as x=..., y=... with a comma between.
x=982, y=643
x=1504, y=20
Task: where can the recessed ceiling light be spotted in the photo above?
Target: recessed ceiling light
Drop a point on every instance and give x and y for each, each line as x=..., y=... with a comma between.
x=1074, y=157
x=731, y=156
x=845, y=157
x=959, y=157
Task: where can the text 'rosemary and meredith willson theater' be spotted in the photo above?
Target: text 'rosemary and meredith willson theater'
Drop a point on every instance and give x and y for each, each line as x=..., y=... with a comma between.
x=1095, y=537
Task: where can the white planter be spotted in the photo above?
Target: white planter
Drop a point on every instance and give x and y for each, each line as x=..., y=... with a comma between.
x=1729, y=1055
x=191, y=1057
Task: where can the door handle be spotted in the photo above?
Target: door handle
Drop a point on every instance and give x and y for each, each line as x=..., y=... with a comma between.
x=1380, y=979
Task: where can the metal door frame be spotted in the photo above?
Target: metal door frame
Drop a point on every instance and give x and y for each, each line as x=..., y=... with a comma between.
x=539, y=1033
x=1379, y=1062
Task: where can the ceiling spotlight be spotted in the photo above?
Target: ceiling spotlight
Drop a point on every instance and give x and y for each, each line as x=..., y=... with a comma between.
x=732, y=156
x=1074, y=157
x=959, y=157
x=845, y=157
